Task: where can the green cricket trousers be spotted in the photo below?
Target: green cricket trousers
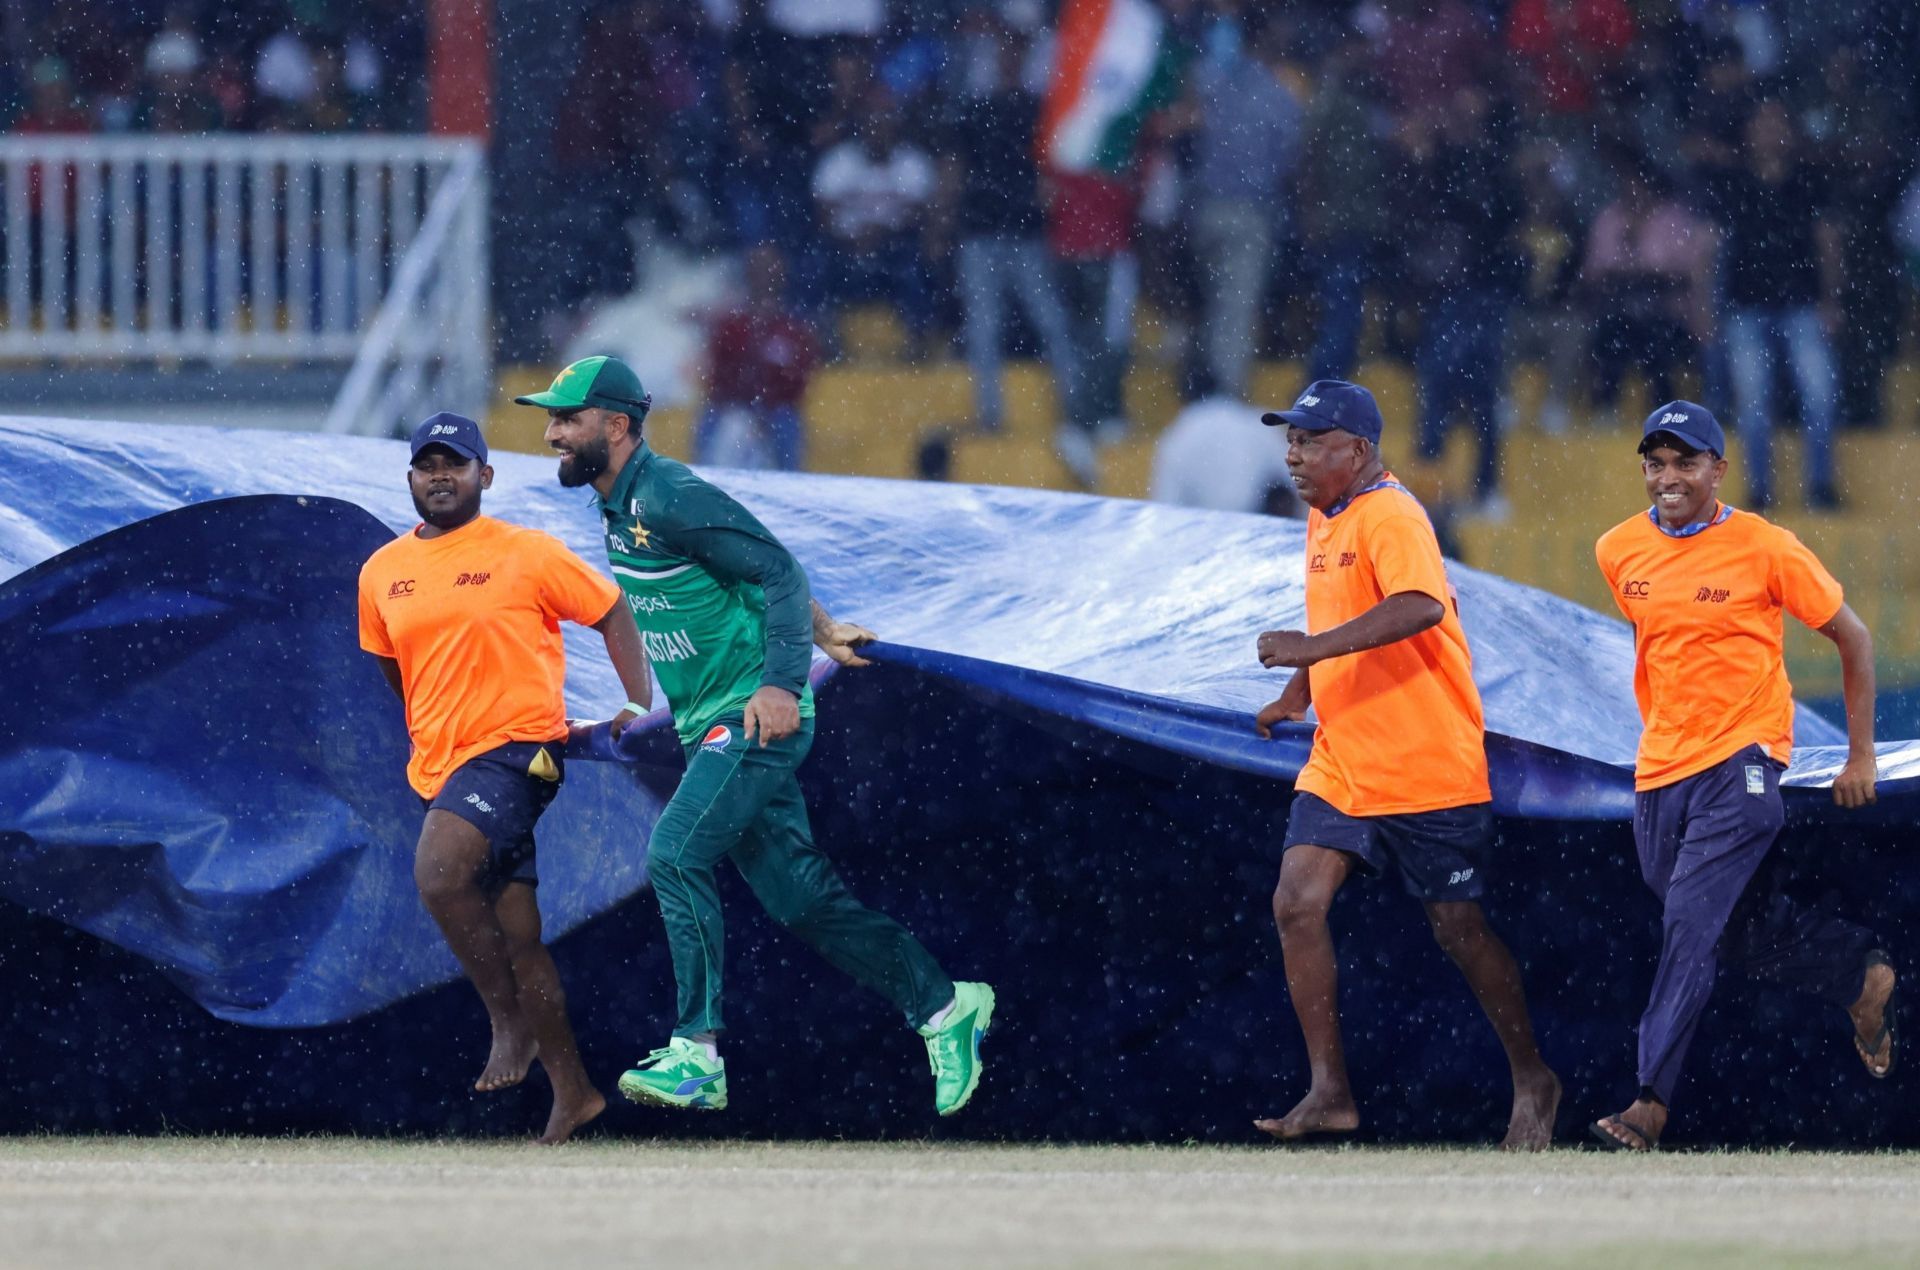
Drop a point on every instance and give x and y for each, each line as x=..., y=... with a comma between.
x=743, y=801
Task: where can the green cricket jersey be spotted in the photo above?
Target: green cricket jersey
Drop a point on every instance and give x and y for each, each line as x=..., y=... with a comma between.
x=722, y=607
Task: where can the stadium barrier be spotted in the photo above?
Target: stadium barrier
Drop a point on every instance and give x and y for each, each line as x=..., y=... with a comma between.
x=363, y=251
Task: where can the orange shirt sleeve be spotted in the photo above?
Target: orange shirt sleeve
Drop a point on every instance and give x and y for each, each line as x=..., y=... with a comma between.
x=373, y=628
x=1406, y=556
x=570, y=590
x=1609, y=570
x=1803, y=585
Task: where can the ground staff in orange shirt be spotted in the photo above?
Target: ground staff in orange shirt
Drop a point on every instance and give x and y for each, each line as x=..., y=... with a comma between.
x=1398, y=776
x=463, y=613
x=1705, y=586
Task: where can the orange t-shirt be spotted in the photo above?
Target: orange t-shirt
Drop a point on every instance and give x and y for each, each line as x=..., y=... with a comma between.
x=473, y=618
x=1707, y=636
x=1401, y=729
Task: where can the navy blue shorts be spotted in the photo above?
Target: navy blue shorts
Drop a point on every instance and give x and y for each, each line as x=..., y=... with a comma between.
x=503, y=793
x=1439, y=855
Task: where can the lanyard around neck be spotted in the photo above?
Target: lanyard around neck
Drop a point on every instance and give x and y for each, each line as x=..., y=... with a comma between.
x=1385, y=482
x=1688, y=531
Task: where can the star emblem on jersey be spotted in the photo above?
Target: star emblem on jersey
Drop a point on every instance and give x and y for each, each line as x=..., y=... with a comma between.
x=639, y=533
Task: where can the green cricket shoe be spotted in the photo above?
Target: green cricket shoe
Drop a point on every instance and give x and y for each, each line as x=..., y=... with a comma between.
x=954, y=1048
x=681, y=1075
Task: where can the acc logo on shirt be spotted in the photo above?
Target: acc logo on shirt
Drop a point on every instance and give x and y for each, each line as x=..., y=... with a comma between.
x=1636, y=590
x=717, y=739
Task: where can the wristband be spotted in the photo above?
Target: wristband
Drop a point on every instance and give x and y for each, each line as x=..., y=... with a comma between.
x=634, y=707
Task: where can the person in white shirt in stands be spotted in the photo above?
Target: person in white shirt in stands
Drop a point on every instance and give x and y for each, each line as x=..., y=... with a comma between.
x=1216, y=454
x=873, y=194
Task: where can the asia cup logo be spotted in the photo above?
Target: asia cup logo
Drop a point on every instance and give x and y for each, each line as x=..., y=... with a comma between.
x=717, y=739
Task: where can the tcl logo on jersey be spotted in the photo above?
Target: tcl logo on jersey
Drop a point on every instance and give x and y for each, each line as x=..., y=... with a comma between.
x=1636, y=590
x=472, y=579
x=400, y=588
x=1711, y=595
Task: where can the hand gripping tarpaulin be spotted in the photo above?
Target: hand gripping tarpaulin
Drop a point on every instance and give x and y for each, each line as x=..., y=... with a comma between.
x=197, y=763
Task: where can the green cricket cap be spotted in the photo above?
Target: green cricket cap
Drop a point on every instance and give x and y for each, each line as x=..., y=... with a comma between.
x=606, y=382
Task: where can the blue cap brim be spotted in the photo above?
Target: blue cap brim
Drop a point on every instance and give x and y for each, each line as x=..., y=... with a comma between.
x=1298, y=419
x=445, y=444
x=1691, y=440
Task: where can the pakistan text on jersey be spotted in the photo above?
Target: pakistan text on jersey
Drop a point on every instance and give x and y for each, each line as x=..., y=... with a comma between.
x=668, y=645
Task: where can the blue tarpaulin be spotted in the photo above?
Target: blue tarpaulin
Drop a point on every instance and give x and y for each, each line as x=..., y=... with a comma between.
x=198, y=763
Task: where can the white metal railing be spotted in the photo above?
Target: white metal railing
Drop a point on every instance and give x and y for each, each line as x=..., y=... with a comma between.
x=429, y=347
x=369, y=249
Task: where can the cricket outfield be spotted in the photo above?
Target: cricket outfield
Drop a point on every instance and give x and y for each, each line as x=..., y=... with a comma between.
x=212, y=1203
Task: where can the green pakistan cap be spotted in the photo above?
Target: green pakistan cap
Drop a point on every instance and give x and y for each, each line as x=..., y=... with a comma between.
x=606, y=382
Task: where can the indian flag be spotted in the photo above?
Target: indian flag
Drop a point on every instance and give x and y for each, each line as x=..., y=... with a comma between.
x=1114, y=64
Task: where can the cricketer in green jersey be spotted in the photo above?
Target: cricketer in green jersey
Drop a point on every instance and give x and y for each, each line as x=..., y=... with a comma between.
x=728, y=622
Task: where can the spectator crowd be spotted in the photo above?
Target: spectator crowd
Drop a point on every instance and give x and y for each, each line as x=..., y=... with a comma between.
x=1710, y=196
x=191, y=66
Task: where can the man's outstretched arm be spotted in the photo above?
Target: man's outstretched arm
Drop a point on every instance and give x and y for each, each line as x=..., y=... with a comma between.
x=629, y=658
x=839, y=640
x=1289, y=707
x=1401, y=615
x=1854, y=786
x=751, y=555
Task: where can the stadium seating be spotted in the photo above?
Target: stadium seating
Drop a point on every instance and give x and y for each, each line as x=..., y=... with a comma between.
x=868, y=414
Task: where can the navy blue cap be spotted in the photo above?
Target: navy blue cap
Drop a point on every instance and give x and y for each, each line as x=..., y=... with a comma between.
x=1328, y=404
x=1692, y=424
x=457, y=432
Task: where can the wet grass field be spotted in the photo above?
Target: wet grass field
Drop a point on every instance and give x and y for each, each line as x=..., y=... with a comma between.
x=212, y=1203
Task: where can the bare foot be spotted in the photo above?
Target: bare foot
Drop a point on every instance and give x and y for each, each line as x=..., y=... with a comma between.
x=1638, y=1128
x=568, y=1116
x=507, y=1063
x=1536, y=1104
x=1317, y=1113
x=1872, y=1035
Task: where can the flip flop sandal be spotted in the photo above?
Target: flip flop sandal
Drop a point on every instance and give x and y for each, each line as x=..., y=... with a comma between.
x=1599, y=1130
x=1886, y=1035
